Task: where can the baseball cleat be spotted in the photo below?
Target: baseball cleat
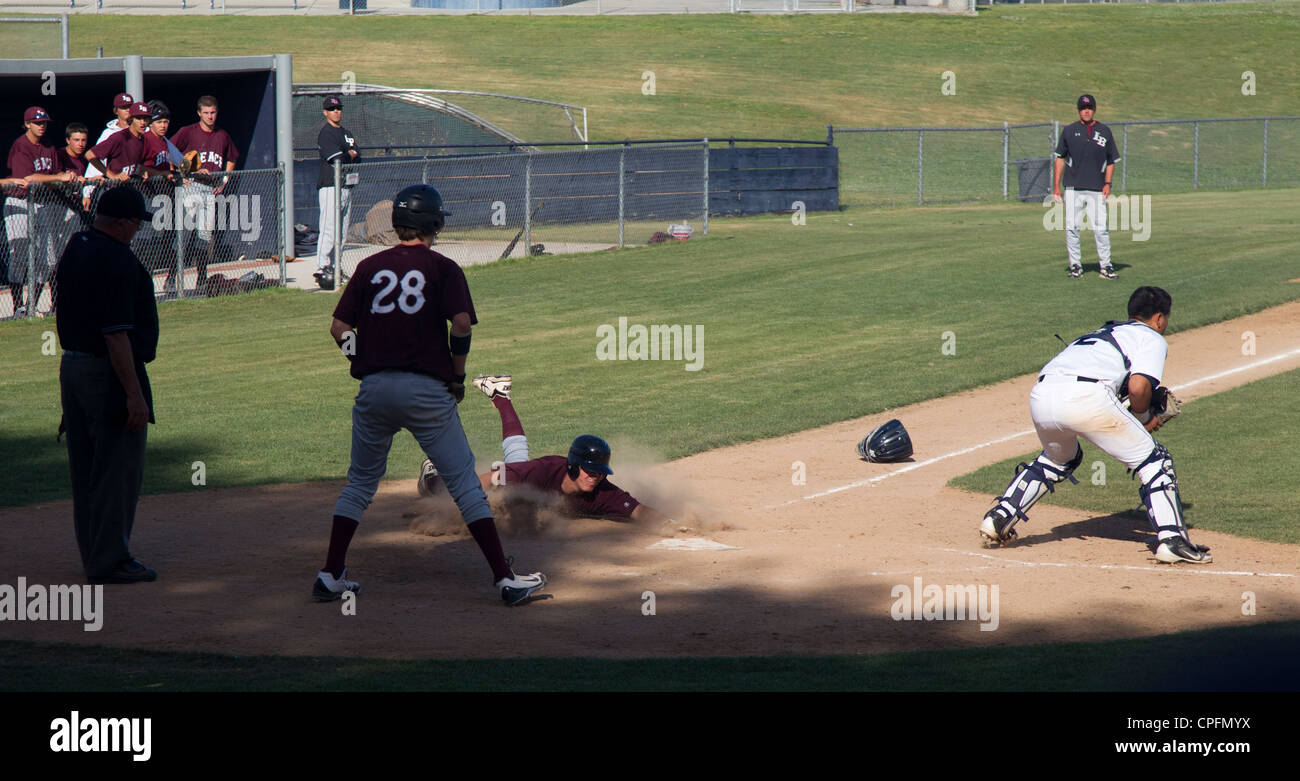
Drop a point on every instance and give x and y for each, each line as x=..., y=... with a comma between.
x=429, y=483
x=517, y=588
x=1176, y=549
x=1075, y=272
x=1108, y=272
x=996, y=528
x=493, y=385
x=328, y=588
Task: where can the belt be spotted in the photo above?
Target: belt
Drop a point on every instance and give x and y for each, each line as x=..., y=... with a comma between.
x=80, y=354
x=1077, y=378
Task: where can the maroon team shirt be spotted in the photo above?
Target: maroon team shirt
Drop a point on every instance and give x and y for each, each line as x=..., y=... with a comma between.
x=122, y=152
x=155, y=150
x=399, y=301
x=77, y=165
x=26, y=158
x=547, y=474
x=215, y=149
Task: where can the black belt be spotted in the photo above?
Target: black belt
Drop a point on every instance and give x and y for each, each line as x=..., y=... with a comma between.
x=80, y=354
x=1077, y=378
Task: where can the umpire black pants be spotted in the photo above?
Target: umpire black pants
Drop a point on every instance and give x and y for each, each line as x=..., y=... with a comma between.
x=106, y=459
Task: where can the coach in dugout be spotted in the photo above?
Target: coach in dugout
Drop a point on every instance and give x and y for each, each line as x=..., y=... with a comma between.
x=108, y=328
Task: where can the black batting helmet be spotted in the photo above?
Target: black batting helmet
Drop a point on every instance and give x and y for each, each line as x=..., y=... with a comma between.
x=420, y=207
x=889, y=442
x=591, y=453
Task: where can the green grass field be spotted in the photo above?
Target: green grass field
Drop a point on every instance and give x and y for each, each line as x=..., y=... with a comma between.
x=1122, y=665
x=1228, y=449
x=856, y=301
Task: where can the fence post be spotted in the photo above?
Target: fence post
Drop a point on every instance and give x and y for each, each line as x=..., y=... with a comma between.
x=1196, y=155
x=338, y=218
x=280, y=225
x=1123, y=161
x=622, y=173
x=1006, y=139
x=706, y=186
x=920, y=157
x=528, y=202
x=32, y=290
x=178, y=225
x=830, y=135
x=1263, y=167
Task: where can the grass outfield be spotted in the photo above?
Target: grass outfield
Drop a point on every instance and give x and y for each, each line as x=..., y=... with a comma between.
x=803, y=325
x=1256, y=657
x=781, y=76
x=1229, y=450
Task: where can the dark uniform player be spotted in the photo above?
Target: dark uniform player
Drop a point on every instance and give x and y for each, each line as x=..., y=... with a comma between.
x=108, y=327
x=334, y=141
x=1088, y=149
x=31, y=218
x=580, y=476
x=391, y=322
x=217, y=154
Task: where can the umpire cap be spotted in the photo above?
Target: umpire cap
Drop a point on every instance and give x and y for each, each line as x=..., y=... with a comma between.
x=123, y=203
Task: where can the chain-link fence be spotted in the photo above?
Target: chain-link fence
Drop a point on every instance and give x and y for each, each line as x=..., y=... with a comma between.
x=210, y=235
x=552, y=202
x=914, y=165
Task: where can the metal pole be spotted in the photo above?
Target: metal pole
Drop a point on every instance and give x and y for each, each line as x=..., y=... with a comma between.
x=1263, y=167
x=706, y=186
x=1006, y=139
x=830, y=135
x=338, y=217
x=920, y=157
x=281, y=214
x=1196, y=155
x=622, y=169
x=64, y=32
x=528, y=203
x=284, y=143
x=133, y=64
x=1123, y=161
x=178, y=225
x=31, y=250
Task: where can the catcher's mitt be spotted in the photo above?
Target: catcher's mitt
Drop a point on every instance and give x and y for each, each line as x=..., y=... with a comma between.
x=1164, y=404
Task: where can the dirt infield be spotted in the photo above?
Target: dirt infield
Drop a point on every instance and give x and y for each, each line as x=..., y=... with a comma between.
x=809, y=569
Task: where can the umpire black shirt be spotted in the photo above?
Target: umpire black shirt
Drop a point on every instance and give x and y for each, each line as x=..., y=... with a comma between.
x=102, y=289
x=1087, y=150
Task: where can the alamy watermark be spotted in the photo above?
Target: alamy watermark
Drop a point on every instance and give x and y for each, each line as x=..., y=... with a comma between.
x=1130, y=213
x=920, y=602
x=637, y=342
x=53, y=603
x=89, y=734
x=207, y=211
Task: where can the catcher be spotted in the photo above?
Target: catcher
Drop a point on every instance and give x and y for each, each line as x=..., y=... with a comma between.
x=1079, y=394
x=580, y=476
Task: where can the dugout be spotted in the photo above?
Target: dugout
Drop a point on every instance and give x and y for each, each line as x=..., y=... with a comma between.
x=254, y=96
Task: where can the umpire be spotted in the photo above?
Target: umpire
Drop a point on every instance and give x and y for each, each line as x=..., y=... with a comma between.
x=108, y=326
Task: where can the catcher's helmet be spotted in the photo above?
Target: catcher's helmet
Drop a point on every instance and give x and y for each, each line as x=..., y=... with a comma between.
x=420, y=207
x=591, y=453
x=889, y=442
x=158, y=110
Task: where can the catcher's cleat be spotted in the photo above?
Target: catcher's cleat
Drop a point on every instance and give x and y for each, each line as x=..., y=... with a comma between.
x=517, y=588
x=493, y=385
x=1075, y=272
x=328, y=588
x=1108, y=272
x=1175, y=549
x=429, y=483
x=996, y=528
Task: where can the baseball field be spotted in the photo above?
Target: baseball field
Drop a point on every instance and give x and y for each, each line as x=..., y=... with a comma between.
x=785, y=569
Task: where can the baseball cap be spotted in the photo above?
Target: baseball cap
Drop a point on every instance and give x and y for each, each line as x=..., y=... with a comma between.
x=36, y=114
x=123, y=202
x=332, y=103
x=123, y=100
x=1087, y=101
x=139, y=110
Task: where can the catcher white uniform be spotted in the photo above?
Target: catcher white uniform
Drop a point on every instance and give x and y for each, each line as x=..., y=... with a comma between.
x=1078, y=394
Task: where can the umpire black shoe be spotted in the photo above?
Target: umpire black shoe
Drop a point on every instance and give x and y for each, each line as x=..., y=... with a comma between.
x=129, y=571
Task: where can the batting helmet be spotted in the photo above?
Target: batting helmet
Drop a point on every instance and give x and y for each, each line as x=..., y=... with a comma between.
x=420, y=207
x=158, y=110
x=889, y=442
x=591, y=453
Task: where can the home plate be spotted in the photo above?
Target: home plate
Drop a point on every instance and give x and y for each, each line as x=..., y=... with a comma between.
x=692, y=543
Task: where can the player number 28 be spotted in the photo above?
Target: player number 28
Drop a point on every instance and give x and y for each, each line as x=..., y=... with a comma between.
x=411, y=299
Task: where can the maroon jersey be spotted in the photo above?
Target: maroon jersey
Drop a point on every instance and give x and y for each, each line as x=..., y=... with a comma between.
x=547, y=474
x=77, y=165
x=155, y=151
x=215, y=149
x=26, y=158
x=399, y=302
x=121, y=153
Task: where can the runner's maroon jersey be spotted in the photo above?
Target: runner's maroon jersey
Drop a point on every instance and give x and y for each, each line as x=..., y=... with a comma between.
x=398, y=302
x=547, y=473
x=215, y=149
x=121, y=153
x=26, y=158
x=77, y=165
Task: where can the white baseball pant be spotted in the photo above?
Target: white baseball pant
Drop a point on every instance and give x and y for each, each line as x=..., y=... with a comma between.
x=1077, y=204
x=325, y=239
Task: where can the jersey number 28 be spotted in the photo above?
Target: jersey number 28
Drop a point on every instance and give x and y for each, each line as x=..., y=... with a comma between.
x=411, y=297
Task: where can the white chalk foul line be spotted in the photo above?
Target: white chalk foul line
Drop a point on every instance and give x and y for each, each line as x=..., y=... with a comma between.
x=1167, y=568
x=1008, y=438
